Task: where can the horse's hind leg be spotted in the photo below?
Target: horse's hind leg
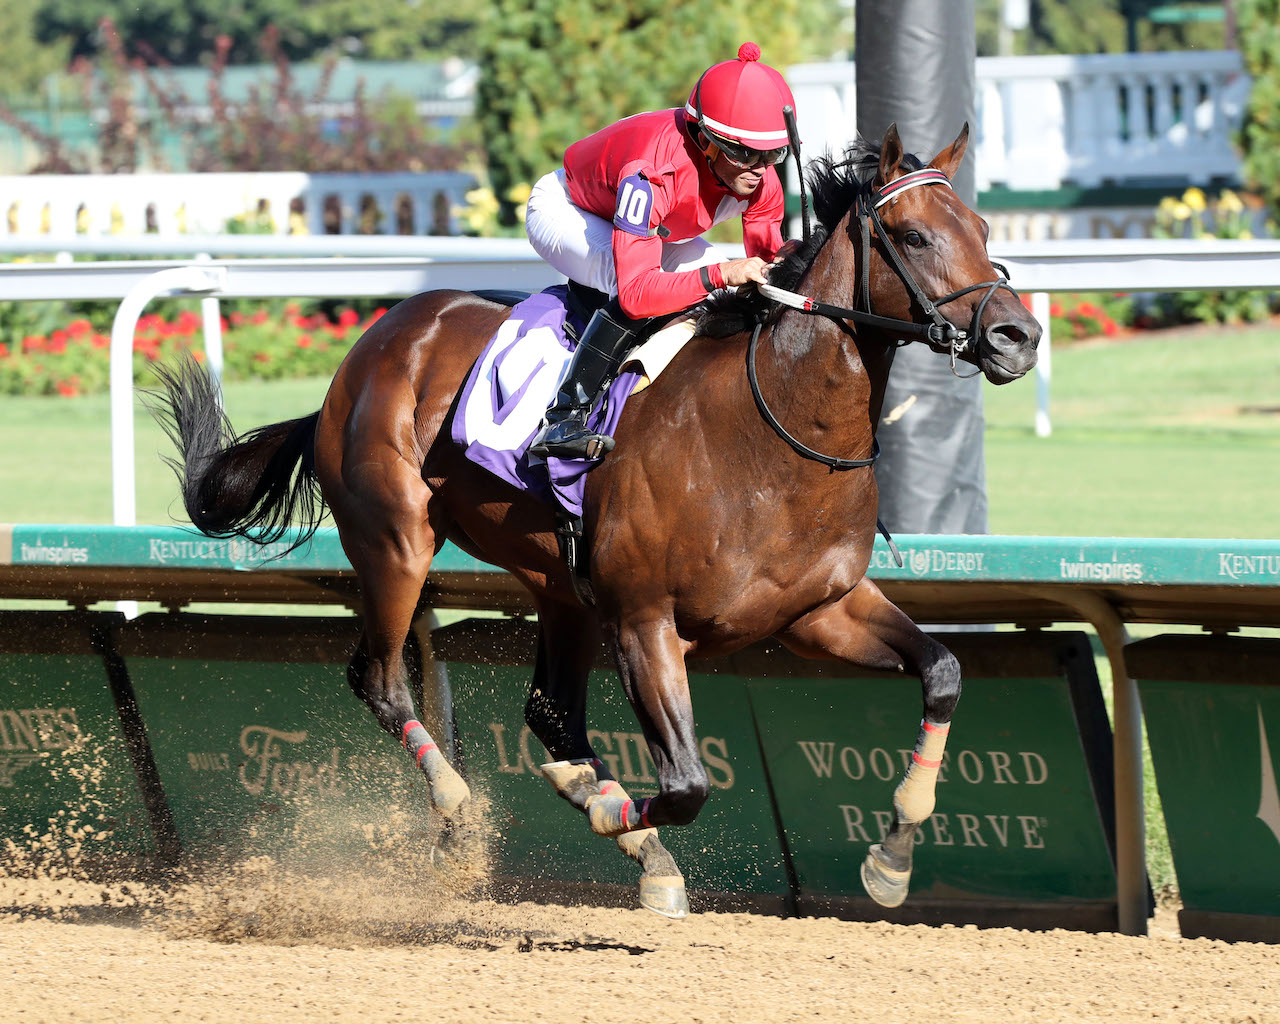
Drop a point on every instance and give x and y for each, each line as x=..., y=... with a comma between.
x=865, y=629
x=556, y=713
x=391, y=563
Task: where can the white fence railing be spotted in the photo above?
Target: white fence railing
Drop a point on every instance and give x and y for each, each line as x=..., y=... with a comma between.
x=1044, y=122
x=1037, y=268
x=66, y=205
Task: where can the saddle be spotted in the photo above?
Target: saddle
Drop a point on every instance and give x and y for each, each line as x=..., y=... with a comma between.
x=580, y=303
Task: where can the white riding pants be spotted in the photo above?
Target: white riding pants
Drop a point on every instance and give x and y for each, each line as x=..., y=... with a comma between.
x=579, y=244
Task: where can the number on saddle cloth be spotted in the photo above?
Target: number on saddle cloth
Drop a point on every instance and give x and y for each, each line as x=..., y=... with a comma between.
x=506, y=394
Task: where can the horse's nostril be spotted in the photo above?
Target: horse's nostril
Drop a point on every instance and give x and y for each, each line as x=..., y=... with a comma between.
x=1008, y=333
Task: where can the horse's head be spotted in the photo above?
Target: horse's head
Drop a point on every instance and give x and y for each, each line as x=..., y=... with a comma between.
x=939, y=257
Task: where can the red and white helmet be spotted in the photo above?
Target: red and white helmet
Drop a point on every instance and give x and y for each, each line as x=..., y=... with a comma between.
x=742, y=100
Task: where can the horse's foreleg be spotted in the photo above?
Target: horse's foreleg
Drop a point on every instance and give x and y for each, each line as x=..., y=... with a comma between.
x=651, y=663
x=556, y=713
x=865, y=629
x=392, y=569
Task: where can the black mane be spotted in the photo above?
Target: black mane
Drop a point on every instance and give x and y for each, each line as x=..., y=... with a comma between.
x=833, y=186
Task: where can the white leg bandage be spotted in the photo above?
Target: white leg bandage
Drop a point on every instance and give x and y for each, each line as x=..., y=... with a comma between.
x=914, y=797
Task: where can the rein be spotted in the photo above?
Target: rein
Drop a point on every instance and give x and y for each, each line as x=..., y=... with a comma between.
x=940, y=333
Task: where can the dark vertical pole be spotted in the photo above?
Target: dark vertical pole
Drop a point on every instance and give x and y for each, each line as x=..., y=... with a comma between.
x=915, y=66
x=164, y=832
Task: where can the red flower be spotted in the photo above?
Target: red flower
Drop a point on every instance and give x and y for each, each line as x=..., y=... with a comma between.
x=1087, y=309
x=304, y=341
x=4, y=350
x=348, y=318
x=260, y=317
x=67, y=389
x=261, y=357
x=188, y=322
x=378, y=314
x=34, y=343
x=225, y=325
x=101, y=341
x=1110, y=327
x=237, y=318
x=198, y=355
x=79, y=327
x=292, y=309
x=1055, y=309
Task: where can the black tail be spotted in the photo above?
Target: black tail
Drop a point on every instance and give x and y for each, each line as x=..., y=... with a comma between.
x=254, y=485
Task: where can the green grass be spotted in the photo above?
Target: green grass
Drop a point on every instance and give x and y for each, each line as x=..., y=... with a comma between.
x=1176, y=436
x=55, y=453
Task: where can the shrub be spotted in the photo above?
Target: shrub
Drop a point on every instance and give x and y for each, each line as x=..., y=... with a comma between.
x=267, y=342
x=1194, y=215
x=1090, y=315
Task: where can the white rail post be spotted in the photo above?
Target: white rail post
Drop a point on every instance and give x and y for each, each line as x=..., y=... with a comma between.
x=211, y=311
x=1044, y=364
x=174, y=279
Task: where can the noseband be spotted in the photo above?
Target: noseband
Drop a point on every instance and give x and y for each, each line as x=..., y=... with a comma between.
x=939, y=334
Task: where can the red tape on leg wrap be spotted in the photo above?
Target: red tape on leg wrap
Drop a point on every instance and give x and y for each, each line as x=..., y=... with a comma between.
x=422, y=750
x=408, y=726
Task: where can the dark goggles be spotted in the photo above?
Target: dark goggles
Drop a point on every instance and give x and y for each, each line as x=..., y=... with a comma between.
x=744, y=156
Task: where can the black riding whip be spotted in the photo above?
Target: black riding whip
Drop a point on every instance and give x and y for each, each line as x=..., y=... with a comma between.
x=793, y=136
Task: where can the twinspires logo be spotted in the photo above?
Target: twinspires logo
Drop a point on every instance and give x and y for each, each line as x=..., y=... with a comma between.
x=28, y=735
x=53, y=554
x=1127, y=572
x=967, y=767
x=626, y=754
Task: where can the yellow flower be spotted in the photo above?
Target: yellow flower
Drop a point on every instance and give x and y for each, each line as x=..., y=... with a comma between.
x=519, y=194
x=1194, y=198
x=1167, y=204
x=1229, y=202
x=1244, y=233
x=1180, y=211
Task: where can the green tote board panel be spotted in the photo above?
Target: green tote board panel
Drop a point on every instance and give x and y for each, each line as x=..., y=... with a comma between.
x=64, y=768
x=1212, y=709
x=66, y=779
x=271, y=757
x=733, y=846
x=1017, y=816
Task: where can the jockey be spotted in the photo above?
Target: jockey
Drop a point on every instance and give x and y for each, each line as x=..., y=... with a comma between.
x=626, y=214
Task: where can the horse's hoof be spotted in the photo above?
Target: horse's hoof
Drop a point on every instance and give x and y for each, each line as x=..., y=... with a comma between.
x=665, y=895
x=448, y=791
x=886, y=885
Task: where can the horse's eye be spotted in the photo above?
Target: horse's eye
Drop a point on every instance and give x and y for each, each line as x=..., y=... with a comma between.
x=914, y=239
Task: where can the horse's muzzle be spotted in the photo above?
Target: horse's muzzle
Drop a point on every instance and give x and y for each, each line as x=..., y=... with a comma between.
x=1008, y=349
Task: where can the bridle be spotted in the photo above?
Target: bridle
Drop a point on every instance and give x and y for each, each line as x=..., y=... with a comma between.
x=939, y=333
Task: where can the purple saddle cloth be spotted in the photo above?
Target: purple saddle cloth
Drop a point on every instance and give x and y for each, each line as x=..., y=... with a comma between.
x=505, y=399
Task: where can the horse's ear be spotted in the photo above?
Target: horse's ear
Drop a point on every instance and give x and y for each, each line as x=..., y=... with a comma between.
x=948, y=161
x=890, y=156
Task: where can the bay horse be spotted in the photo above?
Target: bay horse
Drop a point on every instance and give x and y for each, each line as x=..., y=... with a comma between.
x=706, y=529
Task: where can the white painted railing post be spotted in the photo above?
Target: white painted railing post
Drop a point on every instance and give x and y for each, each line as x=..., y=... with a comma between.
x=211, y=313
x=174, y=279
x=1044, y=363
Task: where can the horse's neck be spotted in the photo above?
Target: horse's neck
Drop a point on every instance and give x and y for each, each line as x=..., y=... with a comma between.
x=828, y=378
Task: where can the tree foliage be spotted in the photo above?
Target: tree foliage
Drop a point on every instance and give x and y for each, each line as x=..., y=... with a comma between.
x=1258, y=30
x=182, y=31
x=553, y=71
x=1093, y=26
x=24, y=61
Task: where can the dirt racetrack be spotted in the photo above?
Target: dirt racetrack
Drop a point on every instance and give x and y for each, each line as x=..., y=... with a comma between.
x=250, y=946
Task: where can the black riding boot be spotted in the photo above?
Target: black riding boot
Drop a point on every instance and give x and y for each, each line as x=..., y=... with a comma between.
x=596, y=359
